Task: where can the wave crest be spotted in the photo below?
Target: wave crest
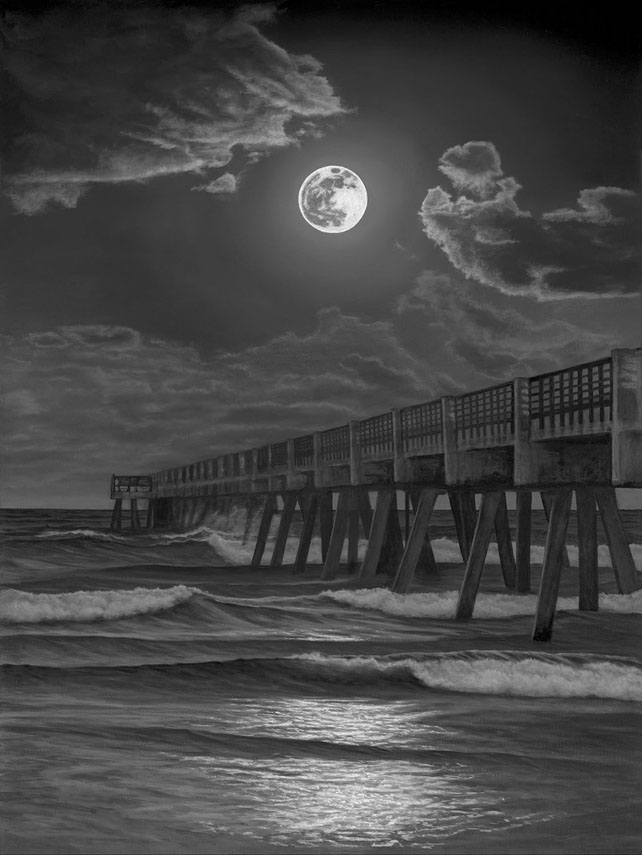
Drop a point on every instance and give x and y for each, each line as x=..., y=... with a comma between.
x=442, y=605
x=552, y=675
x=24, y=607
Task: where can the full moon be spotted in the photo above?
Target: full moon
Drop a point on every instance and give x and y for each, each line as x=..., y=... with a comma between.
x=333, y=199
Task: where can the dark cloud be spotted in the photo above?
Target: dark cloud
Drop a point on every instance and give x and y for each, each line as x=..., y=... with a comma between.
x=493, y=339
x=587, y=251
x=109, y=95
x=108, y=398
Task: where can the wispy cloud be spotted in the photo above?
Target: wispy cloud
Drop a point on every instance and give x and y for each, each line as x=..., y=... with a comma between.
x=487, y=334
x=114, y=94
x=102, y=398
x=591, y=250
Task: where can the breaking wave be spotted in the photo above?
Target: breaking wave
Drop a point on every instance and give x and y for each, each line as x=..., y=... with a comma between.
x=24, y=607
x=441, y=606
x=551, y=675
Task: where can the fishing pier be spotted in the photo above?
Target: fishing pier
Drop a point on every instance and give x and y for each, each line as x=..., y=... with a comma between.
x=573, y=431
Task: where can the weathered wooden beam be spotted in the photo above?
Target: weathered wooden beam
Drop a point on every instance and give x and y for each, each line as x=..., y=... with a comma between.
x=468, y=517
x=560, y=510
x=505, y=544
x=626, y=576
x=587, y=548
x=135, y=521
x=365, y=510
x=455, y=507
x=523, y=540
x=392, y=548
x=150, y=513
x=309, y=517
x=547, y=500
x=464, y=514
x=289, y=506
x=353, y=532
x=337, y=539
x=416, y=541
x=117, y=515
x=325, y=521
x=477, y=555
x=426, y=562
x=264, y=530
x=377, y=534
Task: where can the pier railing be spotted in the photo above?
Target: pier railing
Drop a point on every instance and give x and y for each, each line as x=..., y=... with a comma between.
x=561, y=402
x=570, y=402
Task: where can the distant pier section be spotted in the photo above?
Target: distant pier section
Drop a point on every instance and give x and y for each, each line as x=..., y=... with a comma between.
x=578, y=429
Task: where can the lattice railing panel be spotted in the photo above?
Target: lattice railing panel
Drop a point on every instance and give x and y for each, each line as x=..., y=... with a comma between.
x=304, y=451
x=279, y=459
x=421, y=426
x=335, y=444
x=573, y=396
x=376, y=435
x=263, y=458
x=486, y=414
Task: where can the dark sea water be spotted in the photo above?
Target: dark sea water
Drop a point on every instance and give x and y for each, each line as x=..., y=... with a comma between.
x=159, y=696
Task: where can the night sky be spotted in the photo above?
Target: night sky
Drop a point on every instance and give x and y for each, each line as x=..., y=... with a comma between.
x=163, y=299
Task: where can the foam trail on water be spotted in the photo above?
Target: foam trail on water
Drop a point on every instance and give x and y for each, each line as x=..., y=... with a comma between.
x=24, y=607
x=487, y=606
x=447, y=551
x=495, y=674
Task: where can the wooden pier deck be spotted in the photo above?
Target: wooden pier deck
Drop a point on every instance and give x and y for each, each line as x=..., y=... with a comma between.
x=578, y=429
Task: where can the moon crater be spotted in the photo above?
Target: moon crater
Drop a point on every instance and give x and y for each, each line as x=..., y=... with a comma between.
x=333, y=199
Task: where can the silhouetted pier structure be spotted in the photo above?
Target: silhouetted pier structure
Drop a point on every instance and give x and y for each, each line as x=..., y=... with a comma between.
x=578, y=430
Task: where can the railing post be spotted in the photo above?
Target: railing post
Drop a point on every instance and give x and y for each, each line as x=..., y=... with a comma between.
x=626, y=409
x=522, y=432
x=291, y=464
x=355, y=453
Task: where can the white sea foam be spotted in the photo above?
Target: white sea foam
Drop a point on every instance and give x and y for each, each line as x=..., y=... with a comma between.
x=497, y=674
x=24, y=607
x=447, y=551
x=487, y=606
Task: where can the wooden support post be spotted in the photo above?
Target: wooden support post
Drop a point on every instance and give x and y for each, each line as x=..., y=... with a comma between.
x=264, y=530
x=552, y=567
x=477, y=555
x=505, y=544
x=325, y=521
x=426, y=562
x=523, y=541
x=289, y=505
x=406, y=514
x=464, y=513
x=135, y=522
x=468, y=517
x=331, y=564
x=587, y=547
x=377, y=534
x=117, y=515
x=365, y=510
x=392, y=549
x=547, y=500
x=626, y=576
x=309, y=517
x=251, y=507
x=150, y=513
x=416, y=541
x=453, y=498
x=353, y=532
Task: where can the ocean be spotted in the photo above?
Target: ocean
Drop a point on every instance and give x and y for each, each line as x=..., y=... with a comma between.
x=160, y=696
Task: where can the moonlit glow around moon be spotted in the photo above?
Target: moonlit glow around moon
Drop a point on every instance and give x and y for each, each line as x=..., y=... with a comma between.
x=333, y=199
